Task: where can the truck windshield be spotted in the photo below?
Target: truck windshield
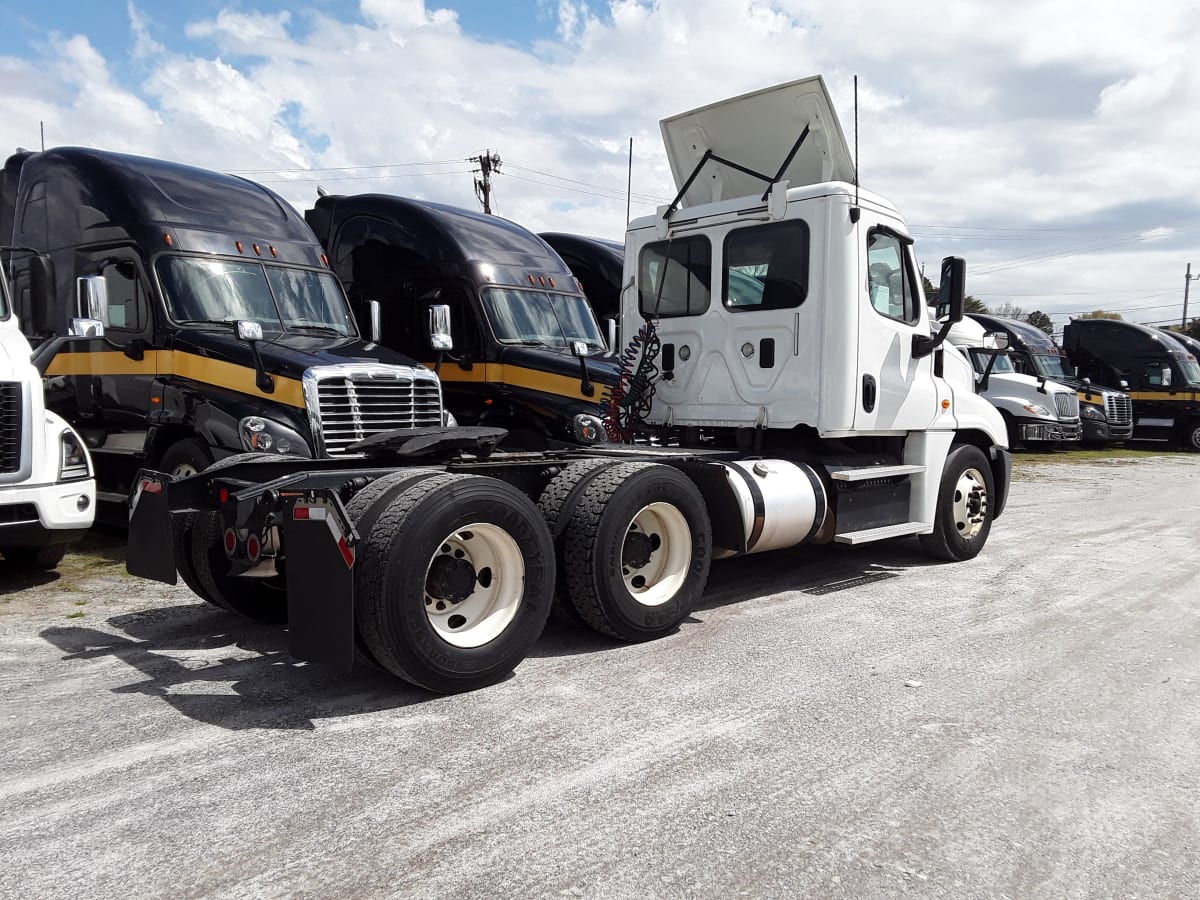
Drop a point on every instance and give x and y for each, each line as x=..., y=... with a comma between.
x=1051, y=366
x=979, y=359
x=277, y=297
x=1190, y=369
x=521, y=316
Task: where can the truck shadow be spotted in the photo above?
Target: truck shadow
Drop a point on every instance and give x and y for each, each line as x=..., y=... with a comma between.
x=257, y=684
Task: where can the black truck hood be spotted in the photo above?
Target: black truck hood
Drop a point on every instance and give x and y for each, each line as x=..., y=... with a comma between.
x=287, y=354
x=559, y=361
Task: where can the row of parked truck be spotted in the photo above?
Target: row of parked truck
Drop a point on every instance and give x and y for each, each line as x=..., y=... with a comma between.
x=402, y=427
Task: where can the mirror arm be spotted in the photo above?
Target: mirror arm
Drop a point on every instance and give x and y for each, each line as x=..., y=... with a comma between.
x=922, y=346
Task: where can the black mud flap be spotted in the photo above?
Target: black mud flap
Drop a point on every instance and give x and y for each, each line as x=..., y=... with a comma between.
x=150, y=550
x=320, y=586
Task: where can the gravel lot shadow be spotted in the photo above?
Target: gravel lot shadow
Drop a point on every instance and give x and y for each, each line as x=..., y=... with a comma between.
x=257, y=684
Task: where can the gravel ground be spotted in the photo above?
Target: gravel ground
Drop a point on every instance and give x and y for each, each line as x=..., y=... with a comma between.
x=832, y=722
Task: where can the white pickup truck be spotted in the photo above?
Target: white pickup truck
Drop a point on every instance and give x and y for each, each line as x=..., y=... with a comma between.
x=47, y=492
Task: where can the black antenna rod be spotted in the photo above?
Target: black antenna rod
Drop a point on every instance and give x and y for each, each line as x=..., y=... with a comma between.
x=856, y=140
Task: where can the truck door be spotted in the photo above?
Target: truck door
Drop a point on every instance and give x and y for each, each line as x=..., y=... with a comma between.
x=896, y=391
x=109, y=379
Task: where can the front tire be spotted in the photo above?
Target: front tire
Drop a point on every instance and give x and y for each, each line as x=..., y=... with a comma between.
x=963, y=518
x=184, y=458
x=1191, y=439
x=43, y=558
x=454, y=584
x=636, y=551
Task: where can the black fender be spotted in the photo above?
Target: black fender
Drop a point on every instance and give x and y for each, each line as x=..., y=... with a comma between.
x=212, y=414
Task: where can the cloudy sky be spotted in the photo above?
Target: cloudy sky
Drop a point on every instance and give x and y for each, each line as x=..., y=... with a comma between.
x=1053, y=144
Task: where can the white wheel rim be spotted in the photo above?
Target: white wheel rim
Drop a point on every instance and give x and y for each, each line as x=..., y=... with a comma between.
x=969, y=504
x=654, y=576
x=183, y=470
x=487, y=580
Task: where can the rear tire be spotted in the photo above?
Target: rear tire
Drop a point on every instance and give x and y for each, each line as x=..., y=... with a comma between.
x=558, y=496
x=364, y=509
x=963, y=517
x=637, y=550
x=261, y=599
x=454, y=584
x=183, y=527
x=44, y=558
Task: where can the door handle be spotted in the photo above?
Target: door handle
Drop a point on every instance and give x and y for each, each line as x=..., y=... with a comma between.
x=868, y=393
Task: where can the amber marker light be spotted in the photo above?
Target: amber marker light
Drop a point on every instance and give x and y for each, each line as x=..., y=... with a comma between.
x=167, y=239
x=945, y=404
x=551, y=280
x=238, y=244
x=531, y=281
x=324, y=260
x=274, y=254
x=257, y=251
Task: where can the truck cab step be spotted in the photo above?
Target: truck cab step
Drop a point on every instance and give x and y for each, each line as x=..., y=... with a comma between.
x=868, y=472
x=868, y=535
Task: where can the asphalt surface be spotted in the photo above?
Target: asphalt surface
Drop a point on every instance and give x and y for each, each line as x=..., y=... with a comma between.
x=836, y=722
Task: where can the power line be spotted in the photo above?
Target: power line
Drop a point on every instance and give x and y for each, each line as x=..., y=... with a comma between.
x=436, y=162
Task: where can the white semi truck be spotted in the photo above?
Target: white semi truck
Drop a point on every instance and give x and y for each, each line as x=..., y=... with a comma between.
x=782, y=384
x=1039, y=413
x=47, y=492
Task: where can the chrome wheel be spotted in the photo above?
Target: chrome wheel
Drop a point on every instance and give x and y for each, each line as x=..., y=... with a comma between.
x=970, y=504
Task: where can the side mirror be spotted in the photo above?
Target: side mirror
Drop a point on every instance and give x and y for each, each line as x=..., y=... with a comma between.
x=376, y=313
x=440, y=338
x=578, y=348
x=249, y=331
x=1123, y=384
x=953, y=287
x=610, y=332
x=579, y=351
x=995, y=340
x=91, y=296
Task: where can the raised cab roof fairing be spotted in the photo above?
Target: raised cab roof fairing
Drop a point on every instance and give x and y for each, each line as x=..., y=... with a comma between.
x=757, y=130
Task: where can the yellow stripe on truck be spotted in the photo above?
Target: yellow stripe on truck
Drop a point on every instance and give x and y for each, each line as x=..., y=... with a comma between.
x=231, y=376
x=515, y=376
x=1178, y=396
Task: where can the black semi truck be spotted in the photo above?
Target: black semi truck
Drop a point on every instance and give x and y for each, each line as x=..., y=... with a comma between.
x=216, y=326
x=528, y=355
x=1106, y=413
x=1163, y=375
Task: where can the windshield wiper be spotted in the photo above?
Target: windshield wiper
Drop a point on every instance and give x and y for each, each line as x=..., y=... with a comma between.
x=319, y=329
x=227, y=322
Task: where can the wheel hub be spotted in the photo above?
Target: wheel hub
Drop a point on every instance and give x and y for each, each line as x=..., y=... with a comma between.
x=638, y=549
x=450, y=579
x=970, y=503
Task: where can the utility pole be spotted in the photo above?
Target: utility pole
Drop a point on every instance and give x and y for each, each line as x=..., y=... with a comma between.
x=488, y=162
x=1188, y=278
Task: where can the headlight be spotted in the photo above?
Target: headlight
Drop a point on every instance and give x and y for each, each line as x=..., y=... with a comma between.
x=589, y=429
x=1038, y=410
x=267, y=436
x=1092, y=412
x=72, y=458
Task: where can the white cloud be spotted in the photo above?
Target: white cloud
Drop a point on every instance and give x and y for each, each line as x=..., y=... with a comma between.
x=1035, y=129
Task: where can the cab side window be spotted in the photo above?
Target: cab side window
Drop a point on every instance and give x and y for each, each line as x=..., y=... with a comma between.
x=766, y=266
x=891, y=286
x=127, y=310
x=675, y=277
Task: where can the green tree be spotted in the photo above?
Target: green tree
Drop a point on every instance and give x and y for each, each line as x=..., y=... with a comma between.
x=974, y=305
x=1099, y=314
x=970, y=304
x=1039, y=319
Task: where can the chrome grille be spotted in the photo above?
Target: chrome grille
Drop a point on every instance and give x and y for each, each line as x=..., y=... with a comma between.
x=1118, y=408
x=1067, y=405
x=10, y=426
x=352, y=402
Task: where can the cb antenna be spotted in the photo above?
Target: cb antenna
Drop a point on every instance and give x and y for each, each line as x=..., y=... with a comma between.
x=856, y=140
